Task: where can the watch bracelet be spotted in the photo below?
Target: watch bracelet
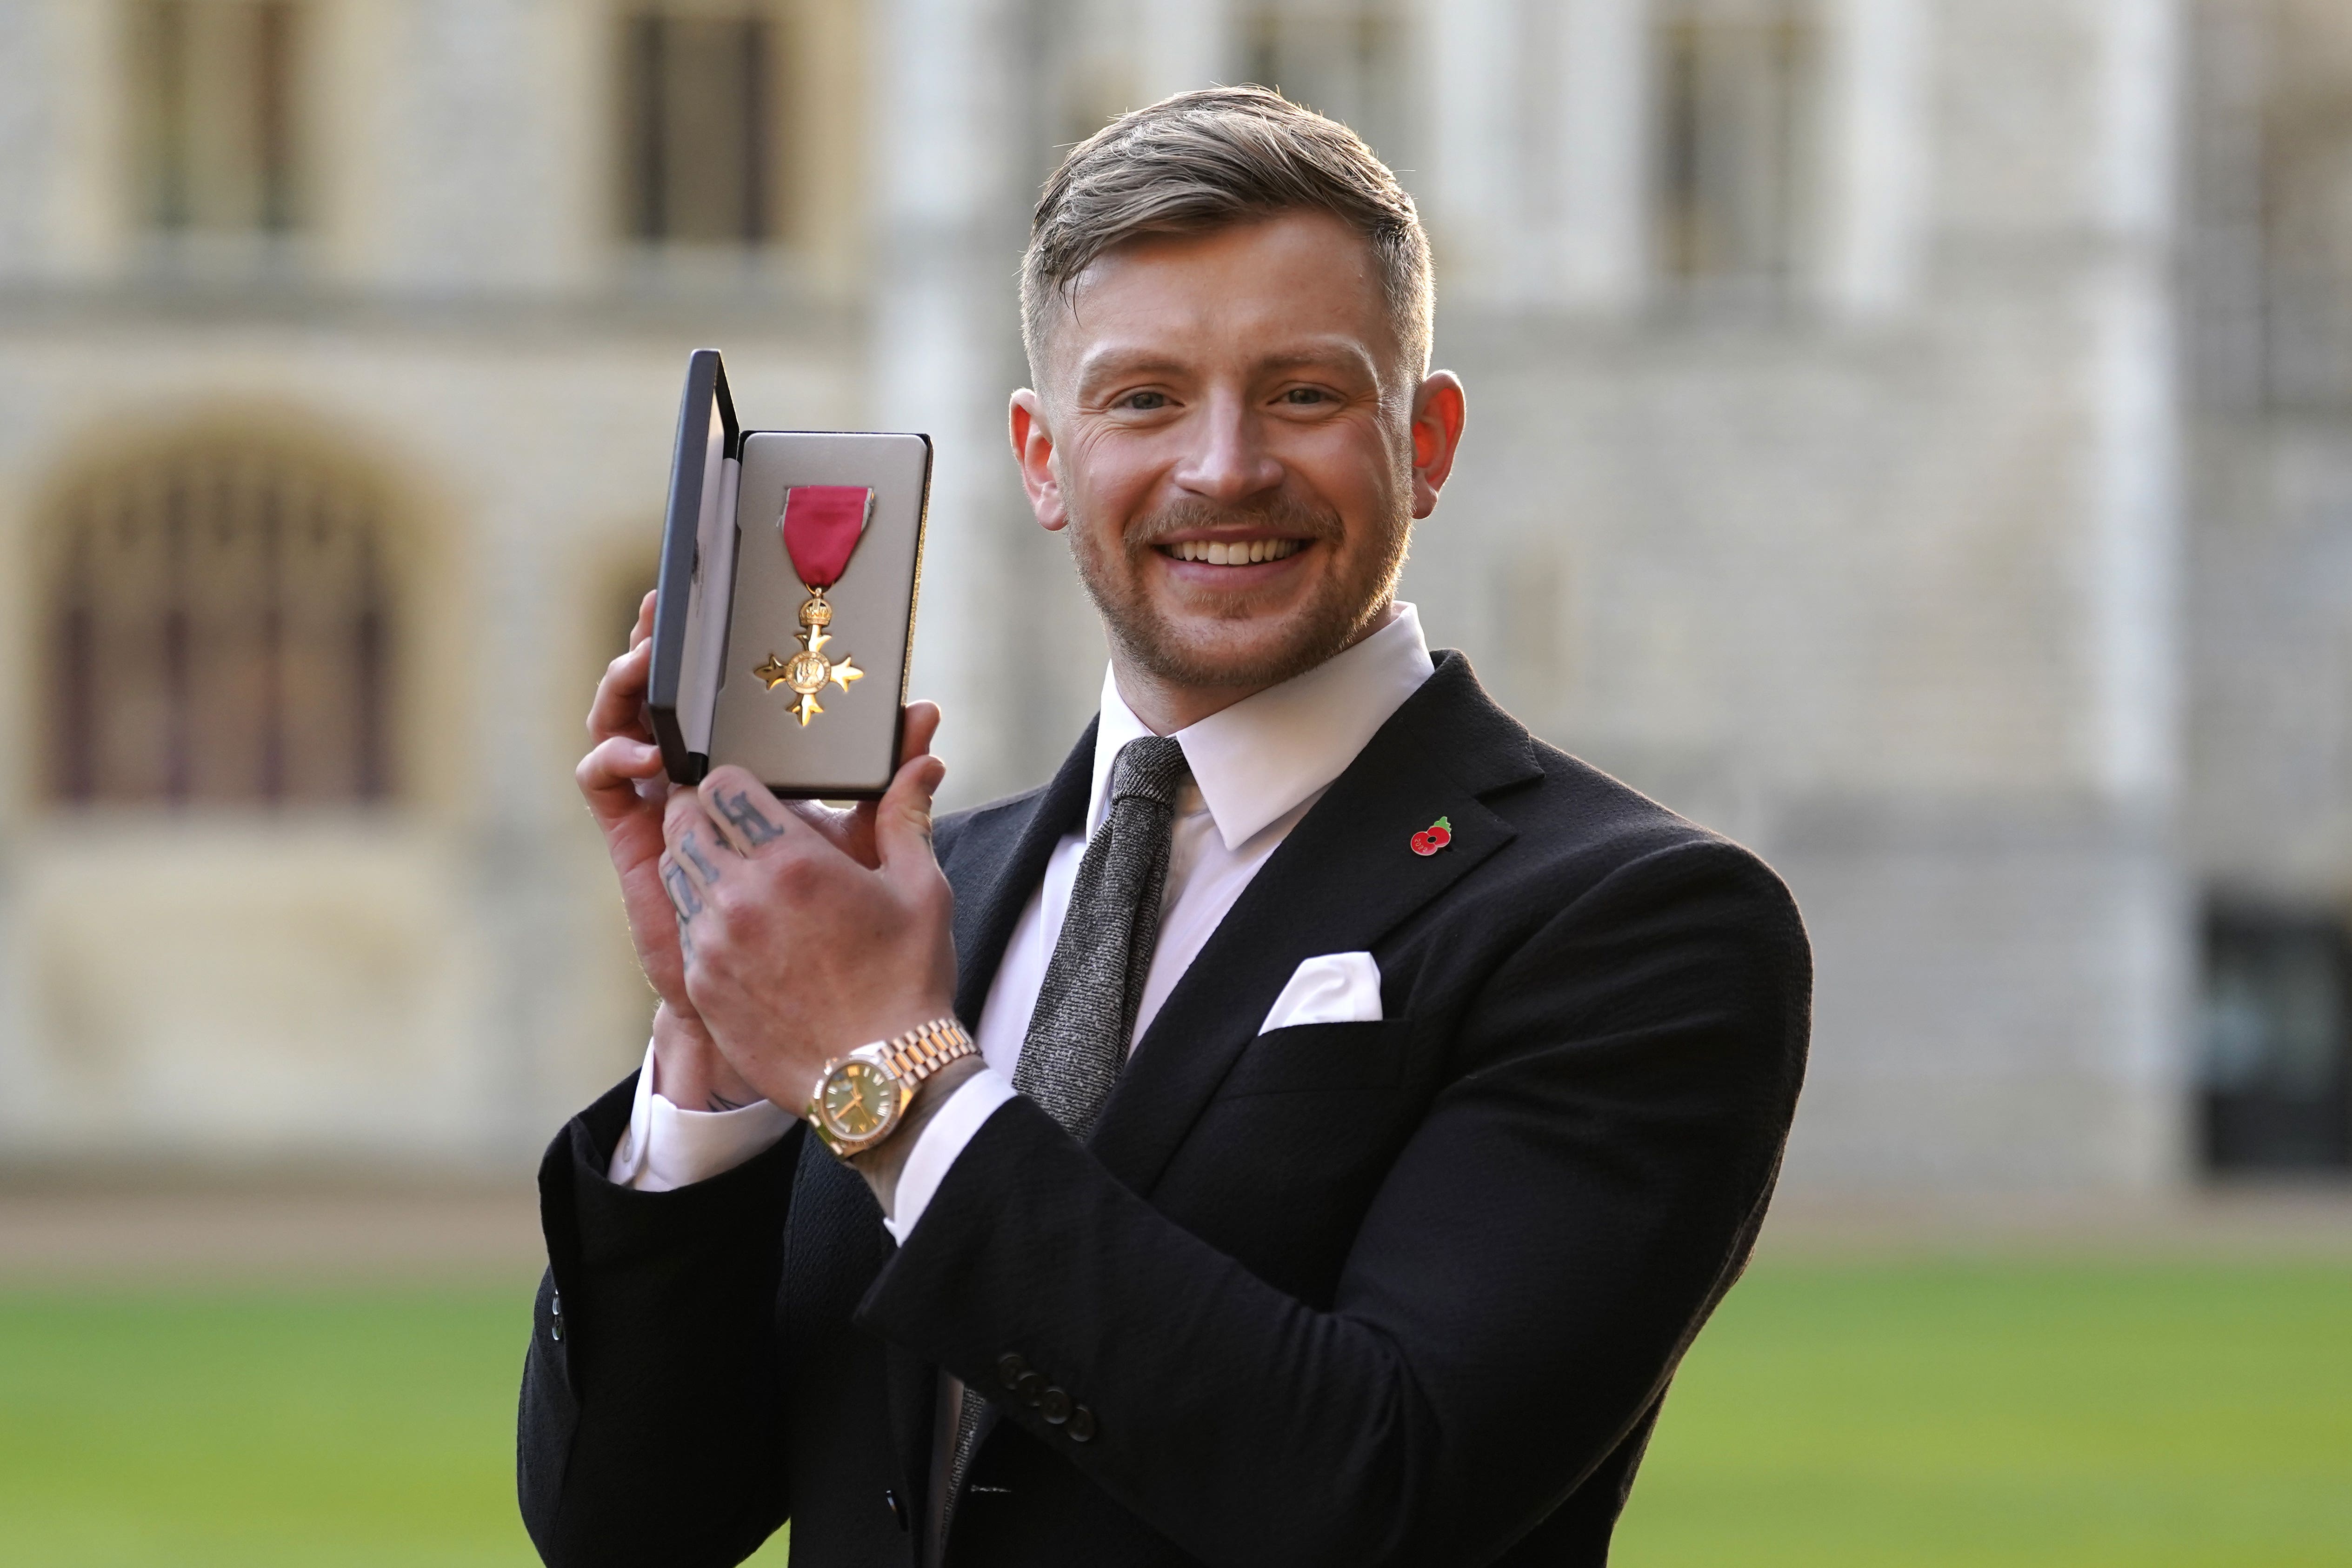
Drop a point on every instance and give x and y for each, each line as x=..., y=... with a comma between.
x=926, y=1049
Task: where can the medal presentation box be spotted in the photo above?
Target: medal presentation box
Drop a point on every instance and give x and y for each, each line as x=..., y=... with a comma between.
x=789, y=568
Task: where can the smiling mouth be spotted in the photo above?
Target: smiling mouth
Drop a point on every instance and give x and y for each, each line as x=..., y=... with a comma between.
x=1234, y=551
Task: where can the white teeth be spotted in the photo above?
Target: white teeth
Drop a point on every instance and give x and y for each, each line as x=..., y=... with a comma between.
x=1239, y=553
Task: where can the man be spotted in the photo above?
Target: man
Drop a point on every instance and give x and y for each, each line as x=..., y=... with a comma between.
x=1370, y=1102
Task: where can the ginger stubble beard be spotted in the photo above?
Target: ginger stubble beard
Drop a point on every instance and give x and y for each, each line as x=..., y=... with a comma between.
x=1331, y=620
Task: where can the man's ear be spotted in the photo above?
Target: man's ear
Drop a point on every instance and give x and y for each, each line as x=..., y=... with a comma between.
x=1032, y=448
x=1439, y=410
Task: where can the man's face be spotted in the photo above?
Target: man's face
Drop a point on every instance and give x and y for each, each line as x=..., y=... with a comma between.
x=1225, y=426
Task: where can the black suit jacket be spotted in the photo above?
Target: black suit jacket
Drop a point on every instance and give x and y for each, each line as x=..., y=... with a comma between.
x=1350, y=1294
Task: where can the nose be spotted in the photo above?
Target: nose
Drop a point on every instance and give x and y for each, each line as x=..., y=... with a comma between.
x=1230, y=461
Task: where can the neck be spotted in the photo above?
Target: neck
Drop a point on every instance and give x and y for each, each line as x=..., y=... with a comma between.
x=1166, y=706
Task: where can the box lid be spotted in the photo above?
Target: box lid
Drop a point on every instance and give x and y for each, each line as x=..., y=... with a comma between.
x=698, y=562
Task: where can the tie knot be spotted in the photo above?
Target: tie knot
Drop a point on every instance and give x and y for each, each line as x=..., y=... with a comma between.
x=1152, y=767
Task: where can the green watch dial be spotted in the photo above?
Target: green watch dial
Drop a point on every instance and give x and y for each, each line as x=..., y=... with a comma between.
x=858, y=1101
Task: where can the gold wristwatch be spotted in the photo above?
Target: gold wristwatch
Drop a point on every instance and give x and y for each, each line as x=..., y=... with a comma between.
x=861, y=1097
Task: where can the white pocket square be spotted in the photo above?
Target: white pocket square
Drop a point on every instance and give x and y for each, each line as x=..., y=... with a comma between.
x=1335, y=988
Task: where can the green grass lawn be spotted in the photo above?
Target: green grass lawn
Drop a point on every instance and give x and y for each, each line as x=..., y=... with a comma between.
x=2083, y=1415
x=1863, y=1414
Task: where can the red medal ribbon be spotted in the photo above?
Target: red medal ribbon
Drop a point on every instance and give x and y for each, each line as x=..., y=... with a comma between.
x=823, y=524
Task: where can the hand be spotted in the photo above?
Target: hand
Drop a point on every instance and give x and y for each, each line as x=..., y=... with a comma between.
x=623, y=782
x=797, y=949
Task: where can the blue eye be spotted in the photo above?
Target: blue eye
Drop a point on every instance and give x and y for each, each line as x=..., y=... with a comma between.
x=1303, y=395
x=1144, y=402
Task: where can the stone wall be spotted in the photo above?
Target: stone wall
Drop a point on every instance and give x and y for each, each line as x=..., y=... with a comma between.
x=1879, y=574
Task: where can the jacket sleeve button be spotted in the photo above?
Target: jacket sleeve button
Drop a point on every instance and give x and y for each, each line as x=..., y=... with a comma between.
x=1030, y=1389
x=1055, y=1406
x=897, y=1508
x=1082, y=1426
x=1010, y=1368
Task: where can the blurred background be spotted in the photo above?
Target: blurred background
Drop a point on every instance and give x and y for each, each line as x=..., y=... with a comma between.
x=1913, y=437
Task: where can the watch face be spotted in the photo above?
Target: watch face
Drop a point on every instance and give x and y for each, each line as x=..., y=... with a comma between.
x=857, y=1101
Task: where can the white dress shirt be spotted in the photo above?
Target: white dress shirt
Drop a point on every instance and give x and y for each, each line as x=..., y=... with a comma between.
x=1258, y=768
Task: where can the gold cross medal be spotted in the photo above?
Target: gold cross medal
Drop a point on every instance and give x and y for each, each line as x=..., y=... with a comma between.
x=821, y=526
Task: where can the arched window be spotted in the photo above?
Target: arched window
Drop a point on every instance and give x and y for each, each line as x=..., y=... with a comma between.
x=220, y=630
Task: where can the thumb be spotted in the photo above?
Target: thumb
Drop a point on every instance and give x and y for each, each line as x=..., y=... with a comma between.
x=922, y=727
x=902, y=821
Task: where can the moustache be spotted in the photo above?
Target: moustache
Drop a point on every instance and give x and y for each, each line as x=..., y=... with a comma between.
x=1282, y=515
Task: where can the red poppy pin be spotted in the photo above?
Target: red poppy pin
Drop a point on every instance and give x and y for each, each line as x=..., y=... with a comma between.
x=1433, y=837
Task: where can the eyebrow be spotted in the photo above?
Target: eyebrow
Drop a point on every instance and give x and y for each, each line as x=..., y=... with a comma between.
x=1118, y=365
x=1338, y=356
x=1121, y=364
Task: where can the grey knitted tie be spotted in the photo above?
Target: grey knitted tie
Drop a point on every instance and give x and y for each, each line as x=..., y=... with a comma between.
x=1085, y=1009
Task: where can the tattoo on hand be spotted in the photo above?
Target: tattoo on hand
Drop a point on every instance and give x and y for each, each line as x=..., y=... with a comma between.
x=748, y=821
x=682, y=896
x=685, y=940
x=692, y=849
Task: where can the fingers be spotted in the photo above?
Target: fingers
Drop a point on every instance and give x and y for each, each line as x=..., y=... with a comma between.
x=902, y=822
x=920, y=724
x=643, y=629
x=698, y=853
x=608, y=775
x=740, y=807
x=619, y=707
x=684, y=896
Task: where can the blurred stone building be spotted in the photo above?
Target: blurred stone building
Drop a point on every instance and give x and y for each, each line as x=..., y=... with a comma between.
x=1873, y=455
x=2266, y=820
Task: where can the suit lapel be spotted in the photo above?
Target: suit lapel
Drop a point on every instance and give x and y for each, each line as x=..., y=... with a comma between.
x=1344, y=878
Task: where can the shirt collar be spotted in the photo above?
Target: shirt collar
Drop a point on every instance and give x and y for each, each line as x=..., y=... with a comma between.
x=1256, y=762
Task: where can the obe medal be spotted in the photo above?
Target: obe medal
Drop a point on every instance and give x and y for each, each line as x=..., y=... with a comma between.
x=821, y=527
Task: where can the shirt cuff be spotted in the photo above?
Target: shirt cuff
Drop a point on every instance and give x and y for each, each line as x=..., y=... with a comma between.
x=665, y=1148
x=937, y=1146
